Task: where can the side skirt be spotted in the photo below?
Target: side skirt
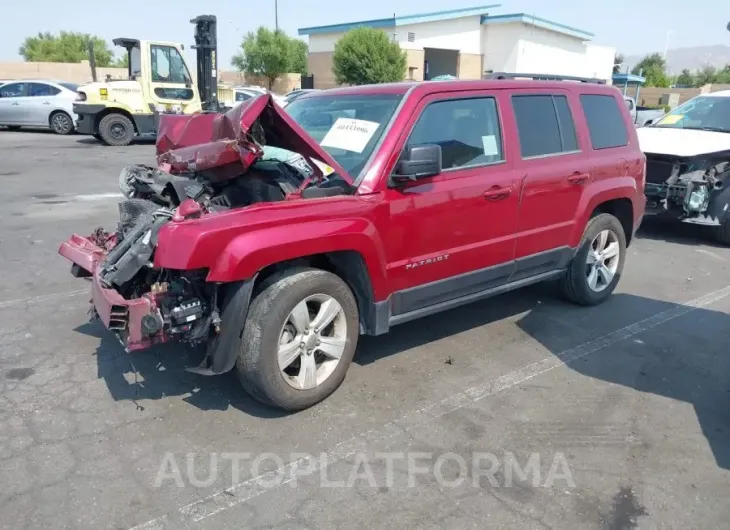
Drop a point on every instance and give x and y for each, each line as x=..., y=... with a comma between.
x=449, y=293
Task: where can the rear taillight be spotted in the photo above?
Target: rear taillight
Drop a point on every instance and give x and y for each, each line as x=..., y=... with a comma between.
x=80, y=96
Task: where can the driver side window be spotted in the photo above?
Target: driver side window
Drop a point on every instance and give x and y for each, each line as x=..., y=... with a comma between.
x=168, y=65
x=466, y=129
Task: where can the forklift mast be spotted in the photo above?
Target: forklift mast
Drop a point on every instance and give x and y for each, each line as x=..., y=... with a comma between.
x=206, y=30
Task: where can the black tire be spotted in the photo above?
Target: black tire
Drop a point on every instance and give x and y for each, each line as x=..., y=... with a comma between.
x=722, y=232
x=574, y=284
x=61, y=123
x=116, y=129
x=258, y=366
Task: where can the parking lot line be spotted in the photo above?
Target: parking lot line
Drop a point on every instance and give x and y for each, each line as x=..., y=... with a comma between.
x=38, y=298
x=255, y=486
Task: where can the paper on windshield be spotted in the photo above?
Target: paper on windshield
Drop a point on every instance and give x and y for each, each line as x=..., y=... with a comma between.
x=350, y=134
x=671, y=119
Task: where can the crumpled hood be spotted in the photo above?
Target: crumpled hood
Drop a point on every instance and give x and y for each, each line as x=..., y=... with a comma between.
x=681, y=142
x=230, y=143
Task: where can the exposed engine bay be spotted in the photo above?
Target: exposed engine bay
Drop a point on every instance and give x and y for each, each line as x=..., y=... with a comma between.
x=691, y=189
x=207, y=164
x=187, y=305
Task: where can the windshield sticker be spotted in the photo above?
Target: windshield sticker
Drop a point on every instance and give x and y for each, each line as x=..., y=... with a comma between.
x=350, y=134
x=671, y=119
x=324, y=168
x=489, y=143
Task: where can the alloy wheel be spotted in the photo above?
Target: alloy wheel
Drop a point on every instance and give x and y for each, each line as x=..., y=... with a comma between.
x=602, y=260
x=312, y=341
x=61, y=123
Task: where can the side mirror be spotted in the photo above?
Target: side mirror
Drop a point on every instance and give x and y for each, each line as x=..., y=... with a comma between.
x=417, y=162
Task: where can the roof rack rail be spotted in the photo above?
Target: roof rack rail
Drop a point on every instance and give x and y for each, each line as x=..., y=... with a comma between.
x=541, y=77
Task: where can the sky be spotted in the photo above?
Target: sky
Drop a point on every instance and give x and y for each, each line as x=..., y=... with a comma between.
x=633, y=27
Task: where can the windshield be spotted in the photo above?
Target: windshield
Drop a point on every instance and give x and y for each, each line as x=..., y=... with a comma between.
x=71, y=86
x=711, y=113
x=347, y=127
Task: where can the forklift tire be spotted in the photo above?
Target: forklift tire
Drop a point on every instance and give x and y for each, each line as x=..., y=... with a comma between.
x=722, y=232
x=116, y=129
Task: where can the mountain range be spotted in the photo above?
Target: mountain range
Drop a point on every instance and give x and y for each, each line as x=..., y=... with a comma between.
x=692, y=58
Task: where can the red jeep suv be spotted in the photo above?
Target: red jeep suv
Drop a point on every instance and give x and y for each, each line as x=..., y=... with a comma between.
x=278, y=237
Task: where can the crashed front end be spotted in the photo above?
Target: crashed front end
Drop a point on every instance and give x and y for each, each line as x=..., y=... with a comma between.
x=208, y=164
x=693, y=189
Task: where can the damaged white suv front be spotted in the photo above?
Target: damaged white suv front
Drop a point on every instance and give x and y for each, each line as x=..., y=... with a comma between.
x=688, y=163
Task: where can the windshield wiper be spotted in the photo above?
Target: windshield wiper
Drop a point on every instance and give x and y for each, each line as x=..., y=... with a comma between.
x=714, y=129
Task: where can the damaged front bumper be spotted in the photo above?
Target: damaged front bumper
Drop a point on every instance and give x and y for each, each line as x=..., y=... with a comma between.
x=690, y=189
x=134, y=322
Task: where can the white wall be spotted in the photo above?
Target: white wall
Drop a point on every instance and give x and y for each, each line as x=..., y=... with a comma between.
x=599, y=61
x=463, y=34
x=518, y=47
x=499, y=47
x=323, y=42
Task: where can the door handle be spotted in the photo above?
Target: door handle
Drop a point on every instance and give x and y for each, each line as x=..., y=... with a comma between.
x=496, y=193
x=46, y=102
x=15, y=103
x=578, y=178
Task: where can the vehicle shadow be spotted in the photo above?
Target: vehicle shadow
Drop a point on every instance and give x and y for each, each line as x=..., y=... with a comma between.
x=673, y=231
x=159, y=372
x=685, y=359
x=453, y=322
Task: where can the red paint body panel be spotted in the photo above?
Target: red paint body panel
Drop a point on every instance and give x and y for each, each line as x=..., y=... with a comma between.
x=446, y=215
x=450, y=216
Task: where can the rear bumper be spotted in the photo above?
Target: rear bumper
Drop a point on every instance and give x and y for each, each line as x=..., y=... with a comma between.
x=118, y=314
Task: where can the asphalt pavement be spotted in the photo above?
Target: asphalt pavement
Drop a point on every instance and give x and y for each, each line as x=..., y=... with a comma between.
x=518, y=412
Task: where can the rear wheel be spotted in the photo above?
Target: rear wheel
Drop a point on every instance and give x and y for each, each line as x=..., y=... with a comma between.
x=596, y=267
x=61, y=123
x=116, y=129
x=299, y=339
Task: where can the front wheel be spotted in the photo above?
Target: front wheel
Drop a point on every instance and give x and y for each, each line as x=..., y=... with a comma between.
x=596, y=267
x=116, y=129
x=299, y=339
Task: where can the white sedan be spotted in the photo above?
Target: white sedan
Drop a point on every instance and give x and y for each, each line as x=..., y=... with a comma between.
x=38, y=103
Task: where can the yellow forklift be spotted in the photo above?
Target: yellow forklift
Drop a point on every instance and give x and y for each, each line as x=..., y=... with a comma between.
x=159, y=81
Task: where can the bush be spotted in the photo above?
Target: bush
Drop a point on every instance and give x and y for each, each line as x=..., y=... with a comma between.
x=367, y=55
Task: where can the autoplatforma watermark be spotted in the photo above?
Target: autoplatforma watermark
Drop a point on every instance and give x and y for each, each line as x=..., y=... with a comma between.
x=389, y=469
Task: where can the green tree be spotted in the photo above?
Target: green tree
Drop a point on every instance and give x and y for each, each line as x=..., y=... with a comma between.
x=66, y=47
x=367, y=55
x=654, y=68
x=266, y=53
x=705, y=75
x=299, y=52
x=121, y=62
x=723, y=76
x=618, y=62
x=685, y=78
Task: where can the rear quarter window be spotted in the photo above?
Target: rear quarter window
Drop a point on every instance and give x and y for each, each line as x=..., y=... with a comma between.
x=605, y=120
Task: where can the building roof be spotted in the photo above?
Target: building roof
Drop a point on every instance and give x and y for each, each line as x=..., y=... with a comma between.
x=538, y=22
x=402, y=20
x=630, y=79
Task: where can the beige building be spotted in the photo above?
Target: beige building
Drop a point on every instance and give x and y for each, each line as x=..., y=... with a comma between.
x=467, y=42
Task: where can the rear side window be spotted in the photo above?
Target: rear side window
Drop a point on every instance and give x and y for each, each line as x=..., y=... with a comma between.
x=544, y=124
x=605, y=121
x=41, y=89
